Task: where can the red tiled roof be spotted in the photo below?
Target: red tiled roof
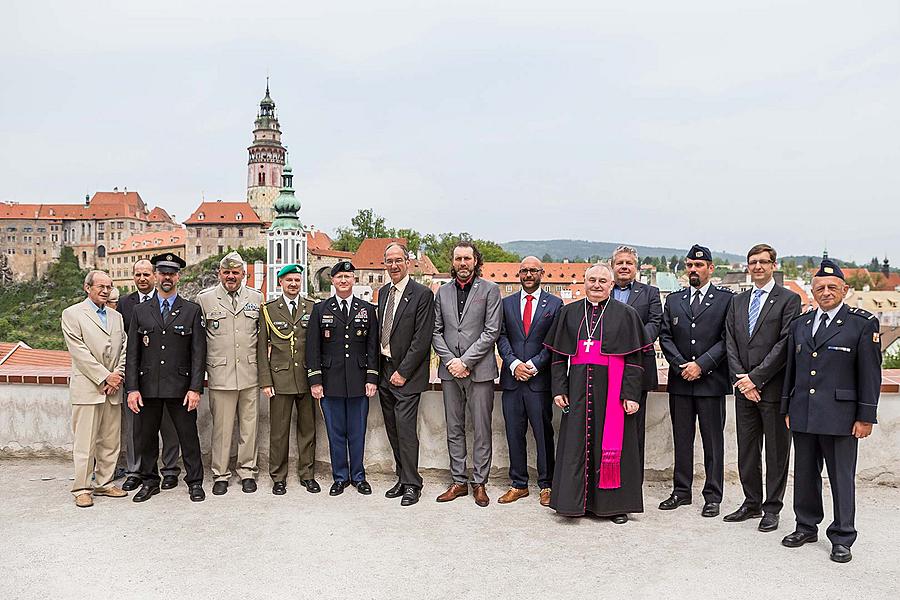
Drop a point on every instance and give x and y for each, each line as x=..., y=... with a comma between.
x=173, y=238
x=19, y=211
x=214, y=213
x=103, y=205
x=318, y=240
x=794, y=287
x=370, y=255
x=332, y=253
x=31, y=357
x=159, y=215
x=508, y=272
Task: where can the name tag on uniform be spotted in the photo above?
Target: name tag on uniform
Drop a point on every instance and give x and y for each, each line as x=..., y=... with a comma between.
x=840, y=348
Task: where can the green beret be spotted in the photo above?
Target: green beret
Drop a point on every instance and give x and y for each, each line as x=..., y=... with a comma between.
x=288, y=269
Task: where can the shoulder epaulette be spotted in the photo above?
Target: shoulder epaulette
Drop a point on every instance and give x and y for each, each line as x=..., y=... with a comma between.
x=273, y=300
x=860, y=312
x=723, y=288
x=206, y=291
x=811, y=309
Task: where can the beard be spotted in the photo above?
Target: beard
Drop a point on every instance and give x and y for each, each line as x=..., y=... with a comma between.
x=694, y=279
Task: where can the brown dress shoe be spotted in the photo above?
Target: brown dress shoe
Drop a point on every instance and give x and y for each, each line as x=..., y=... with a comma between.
x=545, y=497
x=481, y=497
x=113, y=491
x=453, y=492
x=84, y=501
x=512, y=494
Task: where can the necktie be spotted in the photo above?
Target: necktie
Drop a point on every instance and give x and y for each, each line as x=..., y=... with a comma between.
x=233, y=301
x=754, y=309
x=388, y=322
x=526, y=316
x=165, y=310
x=144, y=299
x=695, y=303
x=345, y=309
x=101, y=312
x=820, y=332
x=293, y=308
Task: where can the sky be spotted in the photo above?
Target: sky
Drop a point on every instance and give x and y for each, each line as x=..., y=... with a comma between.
x=650, y=122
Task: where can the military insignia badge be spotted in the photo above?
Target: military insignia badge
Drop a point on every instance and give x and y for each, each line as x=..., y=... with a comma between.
x=362, y=314
x=215, y=324
x=168, y=257
x=828, y=270
x=674, y=320
x=876, y=337
x=327, y=333
x=698, y=254
x=146, y=340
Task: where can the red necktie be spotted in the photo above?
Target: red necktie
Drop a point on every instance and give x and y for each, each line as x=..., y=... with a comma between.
x=526, y=317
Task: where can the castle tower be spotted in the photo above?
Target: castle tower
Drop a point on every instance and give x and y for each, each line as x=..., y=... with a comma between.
x=266, y=160
x=286, y=238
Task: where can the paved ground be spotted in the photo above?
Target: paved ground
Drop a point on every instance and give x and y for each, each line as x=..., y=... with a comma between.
x=302, y=545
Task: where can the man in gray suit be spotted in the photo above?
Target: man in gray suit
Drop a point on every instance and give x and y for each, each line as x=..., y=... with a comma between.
x=468, y=314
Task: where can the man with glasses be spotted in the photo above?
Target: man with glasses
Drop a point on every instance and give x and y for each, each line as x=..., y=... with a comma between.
x=757, y=327
x=525, y=379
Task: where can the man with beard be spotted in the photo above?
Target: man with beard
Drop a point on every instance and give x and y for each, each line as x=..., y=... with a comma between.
x=406, y=315
x=598, y=345
x=468, y=315
x=231, y=313
x=164, y=370
x=145, y=282
x=693, y=340
x=831, y=388
x=757, y=329
x=645, y=300
x=525, y=380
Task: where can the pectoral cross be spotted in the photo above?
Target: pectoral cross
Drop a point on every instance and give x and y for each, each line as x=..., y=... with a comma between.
x=587, y=345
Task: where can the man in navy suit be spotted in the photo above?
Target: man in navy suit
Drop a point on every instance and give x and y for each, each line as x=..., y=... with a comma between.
x=525, y=379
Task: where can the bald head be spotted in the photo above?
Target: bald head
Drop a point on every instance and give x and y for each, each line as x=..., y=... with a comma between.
x=144, y=279
x=531, y=270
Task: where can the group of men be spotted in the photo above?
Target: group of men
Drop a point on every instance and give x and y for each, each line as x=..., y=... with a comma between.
x=813, y=378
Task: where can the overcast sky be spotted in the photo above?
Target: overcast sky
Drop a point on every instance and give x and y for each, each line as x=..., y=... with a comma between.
x=658, y=123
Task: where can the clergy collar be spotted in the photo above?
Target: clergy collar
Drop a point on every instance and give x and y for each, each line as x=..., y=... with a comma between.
x=596, y=304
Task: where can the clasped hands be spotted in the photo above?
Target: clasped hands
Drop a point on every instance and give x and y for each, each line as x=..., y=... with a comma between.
x=112, y=383
x=523, y=372
x=747, y=387
x=458, y=369
x=690, y=371
x=630, y=406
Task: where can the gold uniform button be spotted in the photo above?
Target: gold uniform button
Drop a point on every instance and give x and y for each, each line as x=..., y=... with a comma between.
x=812, y=391
x=296, y=365
x=812, y=372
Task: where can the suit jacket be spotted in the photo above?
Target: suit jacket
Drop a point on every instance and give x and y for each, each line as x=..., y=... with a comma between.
x=342, y=353
x=231, y=353
x=281, y=346
x=513, y=344
x=96, y=352
x=645, y=300
x=411, y=332
x=166, y=359
x=127, y=304
x=832, y=382
x=762, y=355
x=471, y=338
x=684, y=337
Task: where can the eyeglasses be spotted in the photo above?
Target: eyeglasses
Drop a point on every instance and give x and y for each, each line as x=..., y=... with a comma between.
x=394, y=261
x=103, y=287
x=763, y=262
x=530, y=271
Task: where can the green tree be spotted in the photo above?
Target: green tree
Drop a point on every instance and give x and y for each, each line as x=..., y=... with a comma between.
x=546, y=258
x=366, y=224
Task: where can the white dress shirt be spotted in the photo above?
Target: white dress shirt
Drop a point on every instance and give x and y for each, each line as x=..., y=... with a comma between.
x=536, y=294
x=831, y=315
x=400, y=287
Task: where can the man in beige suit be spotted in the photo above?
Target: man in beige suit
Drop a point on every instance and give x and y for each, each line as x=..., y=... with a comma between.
x=231, y=313
x=95, y=338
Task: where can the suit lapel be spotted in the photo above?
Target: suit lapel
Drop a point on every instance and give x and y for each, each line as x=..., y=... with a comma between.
x=92, y=314
x=833, y=328
x=636, y=289
x=156, y=306
x=685, y=300
x=476, y=284
x=176, y=308
x=335, y=305
x=764, y=309
x=517, y=312
x=707, y=300
x=403, y=301
x=537, y=313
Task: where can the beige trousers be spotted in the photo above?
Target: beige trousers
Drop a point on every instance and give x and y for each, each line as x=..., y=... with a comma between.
x=224, y=405
x=95, y=449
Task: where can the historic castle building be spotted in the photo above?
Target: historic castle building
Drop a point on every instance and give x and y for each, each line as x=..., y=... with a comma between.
x=266, y=163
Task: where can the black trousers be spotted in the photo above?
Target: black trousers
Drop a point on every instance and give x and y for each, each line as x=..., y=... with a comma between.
x=642, y=429
x=520, y=407
x=686, y=411
x=148, y=438
x=401, y=416
x=839, y=454
x=759, y=424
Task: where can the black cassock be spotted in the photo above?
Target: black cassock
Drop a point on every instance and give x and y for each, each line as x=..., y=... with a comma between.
x=576, y=477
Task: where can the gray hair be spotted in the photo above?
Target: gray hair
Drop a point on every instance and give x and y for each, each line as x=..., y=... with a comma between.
x=600, y=265
x=626, y=250
x=398, y=245
x=89, y=278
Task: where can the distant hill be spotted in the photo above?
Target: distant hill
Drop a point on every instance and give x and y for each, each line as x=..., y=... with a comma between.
x=560, y=249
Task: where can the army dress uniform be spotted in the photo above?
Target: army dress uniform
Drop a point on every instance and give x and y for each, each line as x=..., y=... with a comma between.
x=342, y=356
x=282, y=366
x=232, y=322
x=832, y=380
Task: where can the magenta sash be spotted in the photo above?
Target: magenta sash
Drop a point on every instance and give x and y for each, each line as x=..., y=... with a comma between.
x=614, y=422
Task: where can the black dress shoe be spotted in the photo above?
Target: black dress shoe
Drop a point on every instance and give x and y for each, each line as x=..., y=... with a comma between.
x=742, y=514
x=710, y=509
x=673, y=502
x=337, y=488
x=169, y=482
x=411, y=495
x=798, y=538
x=219, y=488
x=311, y=485
x=619, y=519
x=840, y=553
x=132, y=482
x=769, y=522
x=396, y=491
x=363, y=487
x=195, y=490
x=248, y=486
x=120, y=473
x=279, y=488
x=145, y=492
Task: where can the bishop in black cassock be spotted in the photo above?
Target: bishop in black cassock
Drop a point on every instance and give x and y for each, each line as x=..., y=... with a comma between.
x=597, y=365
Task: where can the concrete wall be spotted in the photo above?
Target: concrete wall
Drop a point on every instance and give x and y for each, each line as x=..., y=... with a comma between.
x=35, y=421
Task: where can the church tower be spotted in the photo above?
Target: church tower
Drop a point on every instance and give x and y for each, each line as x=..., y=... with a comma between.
x=266, y=162
x=286, y=237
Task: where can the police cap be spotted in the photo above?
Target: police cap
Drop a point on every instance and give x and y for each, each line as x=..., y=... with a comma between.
x=698, y=252
x=829, y=268
x=168, y=263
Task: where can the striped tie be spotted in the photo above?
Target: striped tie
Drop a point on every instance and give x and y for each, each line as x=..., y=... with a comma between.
x=754, y=309
x=388, y=322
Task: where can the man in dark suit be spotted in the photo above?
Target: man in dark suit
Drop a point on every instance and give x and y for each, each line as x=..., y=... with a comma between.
x=645, y=300
x=406, y=315
x=164, y=368
x=342, y=363
x=831, y=388
x=145, y=282
x=525, y=379
x=693, y=340
x=756, y=340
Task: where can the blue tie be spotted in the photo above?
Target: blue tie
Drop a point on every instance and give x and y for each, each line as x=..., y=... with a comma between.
x=165, y=310
x=754, y=309
x=101, y=312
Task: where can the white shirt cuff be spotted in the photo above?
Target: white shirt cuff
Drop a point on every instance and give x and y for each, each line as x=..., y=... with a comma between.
x=514, y=364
